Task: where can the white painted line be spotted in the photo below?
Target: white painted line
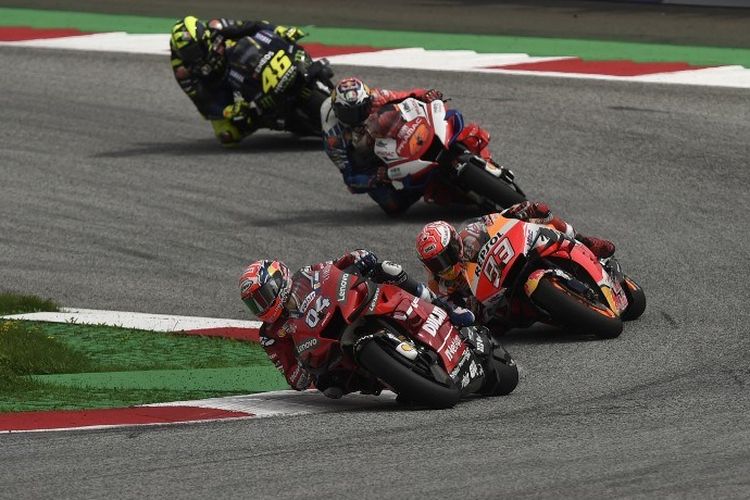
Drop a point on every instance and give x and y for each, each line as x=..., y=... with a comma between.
x=264, y=405
x=140, y=321
x=438, y=60
x=288, y=403
x=103, y=42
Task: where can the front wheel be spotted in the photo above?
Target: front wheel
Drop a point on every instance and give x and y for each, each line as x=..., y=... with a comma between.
x=405, y=382
x=575, y=311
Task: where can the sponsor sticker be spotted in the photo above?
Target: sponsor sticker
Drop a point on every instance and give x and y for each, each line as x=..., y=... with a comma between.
x=343, y=288
x=434, y=320
x=307, y=344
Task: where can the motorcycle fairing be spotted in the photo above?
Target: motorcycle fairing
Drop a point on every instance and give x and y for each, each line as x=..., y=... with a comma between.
x=507, y=240
x=407, y=140
x=571, y=249
x=511, y=238
x=426, y=323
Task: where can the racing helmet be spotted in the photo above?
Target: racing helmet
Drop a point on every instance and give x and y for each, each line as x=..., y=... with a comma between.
x=265, y=287
x=191, y=42
x=351, y=101
x=440, y=249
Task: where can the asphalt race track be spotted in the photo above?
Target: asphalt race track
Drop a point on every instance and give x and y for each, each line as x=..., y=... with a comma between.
x=114, y=195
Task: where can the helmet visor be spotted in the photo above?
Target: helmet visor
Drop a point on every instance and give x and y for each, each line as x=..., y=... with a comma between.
x=192, y=53
x=262, y=299
x=352, y=115
x=444, y=260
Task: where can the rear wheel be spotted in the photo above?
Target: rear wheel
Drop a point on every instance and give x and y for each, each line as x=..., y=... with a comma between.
x=574, y=310
x=408, y=384
x=494, y=189
x=307, y=115
x=636, y=300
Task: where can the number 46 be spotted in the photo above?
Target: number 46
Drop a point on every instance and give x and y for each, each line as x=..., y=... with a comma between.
x=274, y=70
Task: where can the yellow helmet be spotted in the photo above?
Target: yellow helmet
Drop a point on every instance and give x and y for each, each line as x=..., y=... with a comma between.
x=190, y=40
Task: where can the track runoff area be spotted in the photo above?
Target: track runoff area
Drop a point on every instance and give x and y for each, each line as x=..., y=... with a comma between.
x=485, y=54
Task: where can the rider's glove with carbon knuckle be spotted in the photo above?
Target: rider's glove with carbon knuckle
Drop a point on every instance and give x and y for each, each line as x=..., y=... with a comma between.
x=432, y=95
x=459, y=316
x=527, y=210
x=364, y=260
x=290, y=33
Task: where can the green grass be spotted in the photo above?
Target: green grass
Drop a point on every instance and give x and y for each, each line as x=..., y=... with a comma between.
x=38, y=363
x=13, y=303
x=121, y=349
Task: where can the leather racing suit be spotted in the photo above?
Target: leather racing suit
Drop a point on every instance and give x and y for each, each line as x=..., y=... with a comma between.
x=277, y=341
x=351, y=150
x=212, y=93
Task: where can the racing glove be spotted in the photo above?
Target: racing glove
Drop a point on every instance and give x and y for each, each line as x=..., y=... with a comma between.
x=432, y=95
x=459, y=316
x=527, y=210
x=364, y=260
x=239, y=113
x=289, y=33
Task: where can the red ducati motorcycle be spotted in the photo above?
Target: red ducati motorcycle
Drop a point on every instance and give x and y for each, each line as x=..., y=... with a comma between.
x=528, y=272
x=347, y=324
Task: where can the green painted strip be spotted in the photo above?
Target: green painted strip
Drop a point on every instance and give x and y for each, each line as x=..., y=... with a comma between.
x=586, y=49
x=248, y=379
x=83, y=21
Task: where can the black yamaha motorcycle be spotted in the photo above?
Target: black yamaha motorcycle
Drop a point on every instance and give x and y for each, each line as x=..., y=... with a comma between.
x=282, y=78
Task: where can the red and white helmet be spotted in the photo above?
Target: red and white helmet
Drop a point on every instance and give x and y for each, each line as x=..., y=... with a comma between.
x=440, y=249
x=351, y=101
x=265, y=287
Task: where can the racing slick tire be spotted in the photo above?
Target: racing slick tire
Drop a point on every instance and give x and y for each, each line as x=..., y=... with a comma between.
x=498, y=192
x=408, y=384
x=636, y=300
x=575, y=311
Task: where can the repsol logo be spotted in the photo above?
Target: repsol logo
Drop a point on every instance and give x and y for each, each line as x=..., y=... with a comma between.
x=483, y=253
x=434, y=320
x=306, y=345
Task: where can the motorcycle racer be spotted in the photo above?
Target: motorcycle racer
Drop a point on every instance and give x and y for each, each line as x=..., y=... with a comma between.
x=199, y=62
x=270, y=291
x=444, y=251
x=349, y=145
